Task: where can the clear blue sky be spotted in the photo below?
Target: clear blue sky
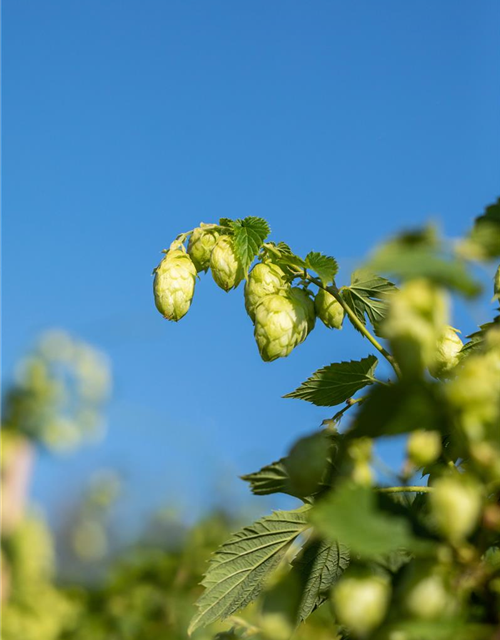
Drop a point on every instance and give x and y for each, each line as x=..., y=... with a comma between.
x=126, y=122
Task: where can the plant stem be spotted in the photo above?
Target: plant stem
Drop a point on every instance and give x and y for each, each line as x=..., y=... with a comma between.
x=414, y=489
x=332, y=289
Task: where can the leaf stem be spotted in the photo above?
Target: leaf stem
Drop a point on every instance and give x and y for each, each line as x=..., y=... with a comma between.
x=414, y=489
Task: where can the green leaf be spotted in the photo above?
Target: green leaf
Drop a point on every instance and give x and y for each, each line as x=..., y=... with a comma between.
x=226, y=222
x=447, y=629
x=318, y=566
x=249, y=235
x=486, y=231
x=273, y=478
x=400, y=408
x=476, y=339
x=238, y=570
x=349, y=515
x=419, y=255
x=325, y=266
x=337, y=382
x=368, y=295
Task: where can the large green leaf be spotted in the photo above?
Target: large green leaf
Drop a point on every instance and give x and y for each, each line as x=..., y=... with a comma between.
x=249, y=235
x=239, y=568
x=318, y=567
x=350, y=516
x=337, y=382
x=368, y=295
x=325, y=266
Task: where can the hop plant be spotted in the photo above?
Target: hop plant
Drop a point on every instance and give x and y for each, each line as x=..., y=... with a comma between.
x=173, y=285
x=226, y=267
x=282, y=322
x=423, y=447
x=455, y=507
x=201, y=244
x=360, y=602
x=328, y=310
x=265, y=279
x=447, y=352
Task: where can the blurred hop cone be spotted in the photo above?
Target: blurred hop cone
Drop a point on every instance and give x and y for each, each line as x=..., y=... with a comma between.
x=174, y=282
x=264, y=279
x=455, y=507
x=360, y=602
x=283, y=321
x=227, y=270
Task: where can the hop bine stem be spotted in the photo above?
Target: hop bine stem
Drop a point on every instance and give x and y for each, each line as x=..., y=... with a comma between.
x=414, y=489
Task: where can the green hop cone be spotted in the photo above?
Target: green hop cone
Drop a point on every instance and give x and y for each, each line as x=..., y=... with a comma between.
x=455, y=507
x=328, y=310
x=173, y=285
x=226, y=267
x=201, y=244
x=449, y=346
x=283, y=321
x=423, y=447
x=425, y=595
x=360, y=602
x=264, y=279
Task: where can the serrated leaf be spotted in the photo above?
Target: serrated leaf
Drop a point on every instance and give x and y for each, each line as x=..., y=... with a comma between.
x=350, y=516
x=238, y=570
x=368, y=295
x=318, y=567
x=419, y=255
x=249, y=235
x=476, y=339
x=273, y=478
x=337, y=382
x=326, y=267
x=486, y=231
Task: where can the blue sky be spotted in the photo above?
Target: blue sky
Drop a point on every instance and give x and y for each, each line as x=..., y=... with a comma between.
x=126, y=122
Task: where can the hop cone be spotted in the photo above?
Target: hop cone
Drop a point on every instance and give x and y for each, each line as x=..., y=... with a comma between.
x=448, y=348
x=264, y=279
x=226, y=268
x=283, y=321
x=328, y=310
x=201, y=244
x=173, y=285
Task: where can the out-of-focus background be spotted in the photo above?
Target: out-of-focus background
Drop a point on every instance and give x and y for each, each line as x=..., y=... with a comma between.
x=125, y=123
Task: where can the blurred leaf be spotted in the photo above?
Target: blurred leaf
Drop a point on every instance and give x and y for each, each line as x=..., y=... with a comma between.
x=337, y=382
x=318, y=566
x=325, y=266
x=455, y=629
x=249, y=235
x=368, y=295
x=349, y=516
x=418, y=255
x=400, y=408
x=486, y=231
x=239, y=568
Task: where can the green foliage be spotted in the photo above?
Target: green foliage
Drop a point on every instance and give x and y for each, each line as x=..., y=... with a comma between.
x=420, y=554
x=325, y=266
x=336, y=383
x=350, y=516
x=368, y=296
x=249, y=235
x=239, y=568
